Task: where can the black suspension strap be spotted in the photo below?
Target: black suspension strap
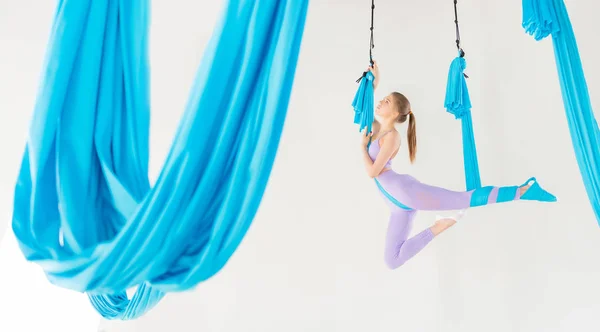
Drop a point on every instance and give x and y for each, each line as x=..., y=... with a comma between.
x=372, y=43
x=371, y=40
x=462, y=53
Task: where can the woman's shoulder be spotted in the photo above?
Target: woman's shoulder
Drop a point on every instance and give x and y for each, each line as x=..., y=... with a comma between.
x=394, y=136
x=391, y=137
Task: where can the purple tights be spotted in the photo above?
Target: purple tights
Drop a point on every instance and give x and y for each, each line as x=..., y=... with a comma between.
x=419, y=196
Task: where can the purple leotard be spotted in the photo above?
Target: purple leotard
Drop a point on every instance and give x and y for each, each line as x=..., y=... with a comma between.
x=415, y=195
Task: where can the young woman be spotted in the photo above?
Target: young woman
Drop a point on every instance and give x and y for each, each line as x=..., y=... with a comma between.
x=405, y=195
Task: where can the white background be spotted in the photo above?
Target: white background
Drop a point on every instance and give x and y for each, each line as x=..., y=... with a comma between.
x=313, y=259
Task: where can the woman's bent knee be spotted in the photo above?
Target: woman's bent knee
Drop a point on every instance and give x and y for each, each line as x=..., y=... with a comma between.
x=393, y=261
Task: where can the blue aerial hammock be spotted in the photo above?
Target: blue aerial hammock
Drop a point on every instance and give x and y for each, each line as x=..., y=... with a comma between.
x=540, y=19
x=458, y=103
x=84, y=209
x=363, y=102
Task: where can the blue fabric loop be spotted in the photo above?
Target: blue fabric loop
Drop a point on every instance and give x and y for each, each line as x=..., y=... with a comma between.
x=84, y=174
x=507, y=194
x=481, y=196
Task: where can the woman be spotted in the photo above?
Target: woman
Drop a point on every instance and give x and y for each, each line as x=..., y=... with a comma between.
x=405, y=195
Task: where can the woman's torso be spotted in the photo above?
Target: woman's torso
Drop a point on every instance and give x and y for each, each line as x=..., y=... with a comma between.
x=375, y=148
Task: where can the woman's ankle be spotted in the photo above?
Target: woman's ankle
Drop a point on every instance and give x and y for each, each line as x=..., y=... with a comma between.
x=441, y=225
x=437, y=229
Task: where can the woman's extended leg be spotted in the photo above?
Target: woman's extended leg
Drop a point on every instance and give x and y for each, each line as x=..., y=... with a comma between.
x=419, y=196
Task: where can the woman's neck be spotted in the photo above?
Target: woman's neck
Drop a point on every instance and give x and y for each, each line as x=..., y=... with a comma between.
x=387, y=126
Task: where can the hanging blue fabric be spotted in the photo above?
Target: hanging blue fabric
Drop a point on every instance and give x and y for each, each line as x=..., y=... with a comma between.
x=540, y=19
x=458, y=103
x=363, y=103
x=84, y=209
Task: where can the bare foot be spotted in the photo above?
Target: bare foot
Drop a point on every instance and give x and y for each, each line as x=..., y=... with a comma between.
x=443, y=223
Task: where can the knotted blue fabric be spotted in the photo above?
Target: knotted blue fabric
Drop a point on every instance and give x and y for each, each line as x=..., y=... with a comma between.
x=84, y=209
x=363, y=103
x=458, y=103
x=542, y=18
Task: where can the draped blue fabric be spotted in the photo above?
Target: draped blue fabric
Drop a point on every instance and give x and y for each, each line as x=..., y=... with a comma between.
x=458, y=103
x=84, y=209
x=542, y=18
x=363, y=103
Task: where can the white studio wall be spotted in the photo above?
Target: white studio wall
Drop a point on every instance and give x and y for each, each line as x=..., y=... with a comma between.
x=313, y=259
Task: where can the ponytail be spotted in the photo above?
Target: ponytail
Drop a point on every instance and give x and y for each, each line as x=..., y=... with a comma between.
x=412, y=137
x=404, y=113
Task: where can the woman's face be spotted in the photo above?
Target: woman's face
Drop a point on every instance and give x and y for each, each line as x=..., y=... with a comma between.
x=386, y=108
